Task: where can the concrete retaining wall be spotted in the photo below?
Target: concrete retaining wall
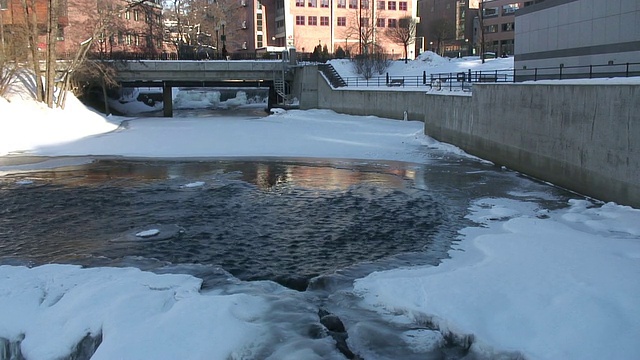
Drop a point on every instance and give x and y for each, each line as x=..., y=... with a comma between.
x=382, y=103
x=585, y=138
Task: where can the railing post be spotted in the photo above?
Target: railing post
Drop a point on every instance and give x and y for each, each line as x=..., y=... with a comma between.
x=561, y=71
x=387, y=83
x=469, y=75
x=590, y=71
x=424, y=78
x=627, y=71
x=535, y=74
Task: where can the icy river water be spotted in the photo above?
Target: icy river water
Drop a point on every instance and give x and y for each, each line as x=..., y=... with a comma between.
x=258, y=225
x=308, y=225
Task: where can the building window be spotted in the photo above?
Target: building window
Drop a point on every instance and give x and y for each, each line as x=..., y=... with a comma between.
x=491, y=29
x=300, y=3
x=393, y=23
x=4, y=4
x=380, y=22
x=313, y=20
x=299, y=20
x=324, y=3
x=127, y=15
x=136, y=15
x=353, y=4
x=508, y=26
x=129, y=39
x=312, y=3
x=509, y=9
x=381, y=5
x=342, y=21
x=402, y=6
x=364, y=4
x=391, y=5
x=324, y=21
x=364, y=22
x=490, y=12
x=342, y=4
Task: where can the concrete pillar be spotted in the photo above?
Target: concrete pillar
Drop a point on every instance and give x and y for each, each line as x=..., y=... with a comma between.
x=167, y=100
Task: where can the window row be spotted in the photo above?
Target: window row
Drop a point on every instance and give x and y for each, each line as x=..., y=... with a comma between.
x=342, y=21
x=131, y=39
x=353, y=4
x=503, y=27
x=135, y=15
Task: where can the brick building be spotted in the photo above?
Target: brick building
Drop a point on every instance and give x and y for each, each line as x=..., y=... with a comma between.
x=12, y=18
x=131, y=27
x=356, y=26
x=453, y=27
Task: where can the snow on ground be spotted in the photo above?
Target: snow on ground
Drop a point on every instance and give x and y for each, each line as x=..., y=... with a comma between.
x=429, y=62
x=541, y=283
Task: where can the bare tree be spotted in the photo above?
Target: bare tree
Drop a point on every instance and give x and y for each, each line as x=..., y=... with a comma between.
x=361, y=25
x=52, y=32
x=31, y=24
x=443, y=30
x=404, y=34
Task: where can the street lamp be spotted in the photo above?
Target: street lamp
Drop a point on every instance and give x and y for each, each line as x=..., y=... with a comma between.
x=430, y=45
x=223, y=37
x=217, y=28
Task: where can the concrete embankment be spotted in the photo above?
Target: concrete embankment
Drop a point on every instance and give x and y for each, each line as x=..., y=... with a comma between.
x=585, y=138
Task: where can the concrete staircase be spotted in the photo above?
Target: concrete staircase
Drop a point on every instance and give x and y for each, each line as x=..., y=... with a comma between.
x=332, y=75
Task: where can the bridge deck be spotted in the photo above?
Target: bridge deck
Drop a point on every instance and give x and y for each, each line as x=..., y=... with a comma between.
x=187, y=70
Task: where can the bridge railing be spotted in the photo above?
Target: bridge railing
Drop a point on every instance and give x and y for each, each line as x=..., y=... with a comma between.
x=135, y=56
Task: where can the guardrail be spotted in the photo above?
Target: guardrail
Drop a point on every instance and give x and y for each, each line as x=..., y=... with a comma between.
x=465, y=79
x=577, y=72
x=459, y=80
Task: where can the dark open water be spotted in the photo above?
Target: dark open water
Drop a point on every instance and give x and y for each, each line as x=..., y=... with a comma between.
x=308, y=224
x=311, y=225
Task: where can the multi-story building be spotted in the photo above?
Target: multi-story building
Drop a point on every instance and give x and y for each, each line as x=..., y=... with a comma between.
x=566, y=33
x=498, y=21
x=460, y=27
x=119, y=26
x=356, y=26
x=115, y=25
x=446, y=26
x=12, y=19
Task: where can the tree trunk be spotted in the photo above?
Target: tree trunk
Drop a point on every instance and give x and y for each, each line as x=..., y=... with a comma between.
x=2, y=53
x=52, y=29
x=31, y=22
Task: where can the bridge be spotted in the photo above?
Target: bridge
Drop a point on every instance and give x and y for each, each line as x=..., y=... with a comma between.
x=217, y=73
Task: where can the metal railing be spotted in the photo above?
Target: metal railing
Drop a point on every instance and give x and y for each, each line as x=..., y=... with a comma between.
x=464, y=80
x=577, y=72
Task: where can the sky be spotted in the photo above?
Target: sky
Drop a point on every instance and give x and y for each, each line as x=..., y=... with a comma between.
x=523, y=280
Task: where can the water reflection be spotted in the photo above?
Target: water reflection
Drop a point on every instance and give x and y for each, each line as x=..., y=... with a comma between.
x=288, y=221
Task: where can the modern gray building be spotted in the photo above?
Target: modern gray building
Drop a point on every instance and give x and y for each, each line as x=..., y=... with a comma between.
x=568, y=33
